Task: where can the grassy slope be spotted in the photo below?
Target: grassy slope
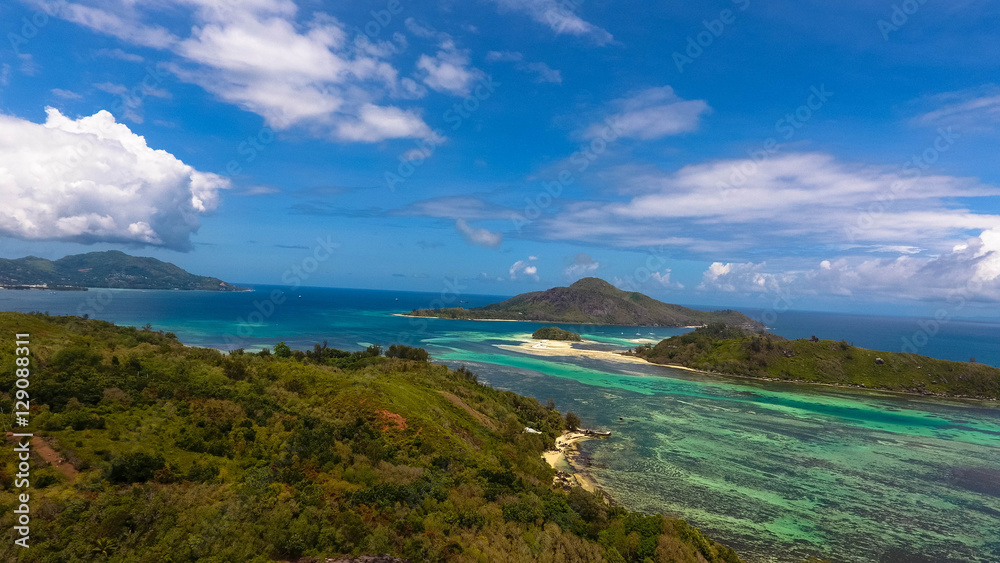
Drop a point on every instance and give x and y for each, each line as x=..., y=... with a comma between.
x=591, y=301
x=824, y=361
x=105, y=269
x=187, y=454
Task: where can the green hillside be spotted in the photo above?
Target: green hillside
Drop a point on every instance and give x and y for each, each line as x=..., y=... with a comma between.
x=184, y=454
x=732, y=351
x=112, y=269
x=592, y=301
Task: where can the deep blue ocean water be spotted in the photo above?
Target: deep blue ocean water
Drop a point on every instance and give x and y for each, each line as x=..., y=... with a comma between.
x=779, y=471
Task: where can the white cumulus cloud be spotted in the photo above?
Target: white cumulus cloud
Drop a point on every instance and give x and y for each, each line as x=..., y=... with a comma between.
x=523, y=269
x=93, y=180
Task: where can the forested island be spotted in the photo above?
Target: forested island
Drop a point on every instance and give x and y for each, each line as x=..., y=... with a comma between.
x=736, y=351
x=110, y=269
x=556, y=333
x=154, y=451
x=592, y=301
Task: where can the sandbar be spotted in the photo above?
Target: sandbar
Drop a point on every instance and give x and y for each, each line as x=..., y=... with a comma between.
x=562, y=348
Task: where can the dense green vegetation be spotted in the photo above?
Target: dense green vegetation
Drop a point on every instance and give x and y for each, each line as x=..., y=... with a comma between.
x=104, y=269
x=555, y=333
x=592, y=301
x=189, y=454
x=726, y=349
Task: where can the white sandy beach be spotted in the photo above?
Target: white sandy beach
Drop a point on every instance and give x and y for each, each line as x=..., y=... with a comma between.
x=562, y=348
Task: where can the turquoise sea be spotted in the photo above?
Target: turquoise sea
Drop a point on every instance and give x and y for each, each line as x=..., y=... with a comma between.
x=780, y=472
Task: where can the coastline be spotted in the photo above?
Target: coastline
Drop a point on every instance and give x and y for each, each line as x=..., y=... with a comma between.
x=859, y=387
x=551, y=348
x=570, y=471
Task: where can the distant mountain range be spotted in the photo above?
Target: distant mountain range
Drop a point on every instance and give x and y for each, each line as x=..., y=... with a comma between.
x=111, y=269
x=593, y=301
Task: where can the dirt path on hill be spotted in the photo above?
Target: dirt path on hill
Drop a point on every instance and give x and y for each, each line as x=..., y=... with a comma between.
x=458, y=402
x=49, y=455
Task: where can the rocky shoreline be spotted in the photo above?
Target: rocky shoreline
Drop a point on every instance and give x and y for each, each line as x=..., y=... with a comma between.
x=572, y=467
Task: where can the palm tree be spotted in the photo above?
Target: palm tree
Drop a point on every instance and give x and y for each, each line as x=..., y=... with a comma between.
x=104, y=546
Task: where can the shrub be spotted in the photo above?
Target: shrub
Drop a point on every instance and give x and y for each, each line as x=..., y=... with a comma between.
x=135, y=467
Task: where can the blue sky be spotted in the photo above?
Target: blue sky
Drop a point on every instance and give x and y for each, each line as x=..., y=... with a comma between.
x=835, y=156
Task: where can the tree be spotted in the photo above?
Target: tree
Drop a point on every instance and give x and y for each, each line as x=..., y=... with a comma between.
x=104, y=546
x=572, y=421
x=282, y=350
x=406, y=353
x=550, y=404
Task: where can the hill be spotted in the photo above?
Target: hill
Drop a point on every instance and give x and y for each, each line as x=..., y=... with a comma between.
x=732, y=351
x=111, y=269
x=174, y=453
x=592, y=301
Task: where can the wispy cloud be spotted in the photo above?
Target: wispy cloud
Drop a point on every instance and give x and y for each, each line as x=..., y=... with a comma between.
x=118, y=54
x=478, y=236
x=258, y=190
x=541, y=71
x=650, y=114
x=126, y=28
x=792, y=204
x=66, y=94
x=559, y=17
x=969, y=110
x=454, y=207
